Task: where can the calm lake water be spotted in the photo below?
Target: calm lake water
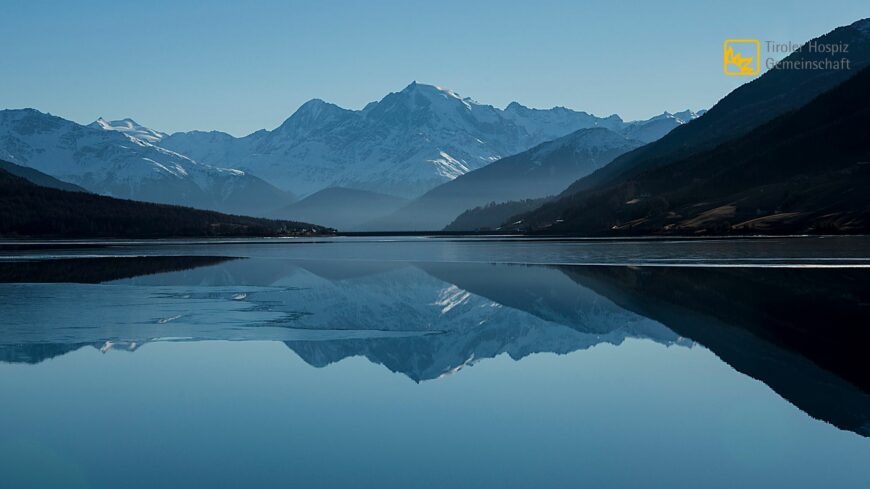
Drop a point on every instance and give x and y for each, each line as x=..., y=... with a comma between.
x=436, y=363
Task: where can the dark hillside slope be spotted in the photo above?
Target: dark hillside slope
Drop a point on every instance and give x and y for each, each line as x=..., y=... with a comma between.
x=805, y=172
x=38, y=178
x=541, y=171
x=749, y=106
x=28, y=210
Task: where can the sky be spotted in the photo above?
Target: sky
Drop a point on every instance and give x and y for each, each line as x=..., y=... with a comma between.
x=243, y=66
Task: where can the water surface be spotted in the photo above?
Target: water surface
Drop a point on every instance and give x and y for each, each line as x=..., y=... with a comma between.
x=433, y=362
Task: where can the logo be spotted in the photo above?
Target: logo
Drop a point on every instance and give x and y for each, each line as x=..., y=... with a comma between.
x=742, y=57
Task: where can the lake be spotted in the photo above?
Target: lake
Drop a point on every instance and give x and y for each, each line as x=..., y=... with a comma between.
x=433, y=362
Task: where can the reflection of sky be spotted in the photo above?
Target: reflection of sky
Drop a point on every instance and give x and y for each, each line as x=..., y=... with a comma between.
x=220, y=414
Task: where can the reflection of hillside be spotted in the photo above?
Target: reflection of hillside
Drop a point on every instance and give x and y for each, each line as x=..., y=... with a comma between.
x=265, y=272
x=230, y=273
x=803, y=332
x=347, y=269
x=97, y=270
x=35, y=352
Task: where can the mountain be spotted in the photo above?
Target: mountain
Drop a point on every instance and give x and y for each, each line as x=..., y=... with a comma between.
x=541, y=171
x=111, y=160
x=405, y=144
x=657, y=127
x=29, y=210
x=776, y=92
x=130, y=128
x=491, y=216
x=341, y=208
x=545, y=124
x=805, y=172
x=38, y=178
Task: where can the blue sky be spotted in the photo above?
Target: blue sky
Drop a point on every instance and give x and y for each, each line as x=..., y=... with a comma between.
x=243, y=66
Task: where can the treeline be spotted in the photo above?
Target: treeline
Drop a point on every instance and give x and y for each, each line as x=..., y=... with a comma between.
x=491, y=216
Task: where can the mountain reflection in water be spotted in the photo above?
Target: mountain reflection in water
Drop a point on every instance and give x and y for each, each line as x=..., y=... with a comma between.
x=800, y=331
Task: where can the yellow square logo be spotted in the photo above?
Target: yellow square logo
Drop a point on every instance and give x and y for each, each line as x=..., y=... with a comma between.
x=742, y=57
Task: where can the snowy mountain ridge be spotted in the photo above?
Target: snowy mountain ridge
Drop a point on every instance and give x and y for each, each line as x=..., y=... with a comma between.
x=117, y=159
x=404, y=144
x=130, y=128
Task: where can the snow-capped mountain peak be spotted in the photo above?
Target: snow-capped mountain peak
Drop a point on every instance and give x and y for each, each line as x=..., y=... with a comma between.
x=688, y=115
x=420, y=103
x=656, y=127
x=679, y=117
x=434, y=93
x=130, y=128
